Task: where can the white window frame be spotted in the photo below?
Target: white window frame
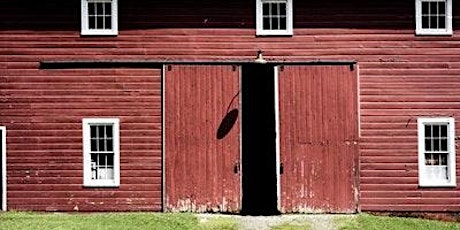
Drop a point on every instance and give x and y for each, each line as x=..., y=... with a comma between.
x=85, y=30
x=424, y=181
x=418, y=19
x=259, y=19
x=87, y=181
x=3, y=168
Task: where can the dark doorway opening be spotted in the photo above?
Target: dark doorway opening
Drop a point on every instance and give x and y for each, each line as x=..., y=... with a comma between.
x=259, y=140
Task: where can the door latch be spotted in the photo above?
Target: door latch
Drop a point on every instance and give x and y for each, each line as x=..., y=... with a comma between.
x=236, y=167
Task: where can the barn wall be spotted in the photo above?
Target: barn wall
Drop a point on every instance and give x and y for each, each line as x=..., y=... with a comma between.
x=402, y=76
x=43, y=112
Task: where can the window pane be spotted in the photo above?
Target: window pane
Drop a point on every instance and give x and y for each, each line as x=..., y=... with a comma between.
x=433, y=8
x=266, y=9
x=433, y=22
x=101, y=145
x=94, y=145
x=443, y=159
x=427, y=130
x=274, y=10
x=110, y=160
x=102, y=160
x=91, y=9
x=436, y=146
x=283, y=25
x=108, y=8
x=444, y=145
x=100, y=23
x=436, y=131
x=429, y=159
x=101, y=131
x=425, y=22
x=91, y=22
x=93, y=132
x=100, y=8
x=109, y=145
x=267, y=24
x=108, y=22
x=109, y=133
x=275, y=25
x=442, y=8
x=282, y=9
x=442, y=22
x=443, y=130
x=425, y=7
x=428, y=146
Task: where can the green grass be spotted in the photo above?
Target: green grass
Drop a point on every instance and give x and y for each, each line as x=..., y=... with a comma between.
x=110, y=221
x=368, y=222
x=291, y=226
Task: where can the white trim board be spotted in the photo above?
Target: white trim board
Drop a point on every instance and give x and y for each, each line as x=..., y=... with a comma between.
x=277, y=141
x=3, y=165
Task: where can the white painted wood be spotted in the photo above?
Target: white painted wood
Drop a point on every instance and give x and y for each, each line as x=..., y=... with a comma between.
x=426, y=172
x=87, y=181
x=418, y=19
x=85, y=30
x=3, y=168
x=277, y=129
x=259, y=19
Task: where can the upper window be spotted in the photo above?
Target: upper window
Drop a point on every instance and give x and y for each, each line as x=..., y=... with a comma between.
x=436, y=147
x=99, y=17
x=433, y=17
x=101, y=152
x=274, y=17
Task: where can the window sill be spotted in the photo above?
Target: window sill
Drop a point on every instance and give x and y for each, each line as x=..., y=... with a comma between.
x=99, y=33
x=437, y=185
x=433, y=33
x=267, y=33
x=101, y=184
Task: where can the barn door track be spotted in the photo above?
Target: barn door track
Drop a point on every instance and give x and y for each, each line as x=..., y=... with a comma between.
x=314, y=221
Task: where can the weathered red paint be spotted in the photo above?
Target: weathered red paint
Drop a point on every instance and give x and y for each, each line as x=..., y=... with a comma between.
x=319, y=134
x=199, y=163
x=43, y=111
x=402, y=76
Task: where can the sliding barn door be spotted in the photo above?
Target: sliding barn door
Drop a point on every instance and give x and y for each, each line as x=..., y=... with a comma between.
x=202, y=138
x=319, y=130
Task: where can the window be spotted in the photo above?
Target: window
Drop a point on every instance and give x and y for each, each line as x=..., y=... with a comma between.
x=274, y=17
x=433, y=17
x=99, y=17
x=101, y=152
x=436, y=147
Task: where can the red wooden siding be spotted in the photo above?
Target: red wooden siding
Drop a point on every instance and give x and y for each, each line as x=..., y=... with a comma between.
x=43, y=112
x=319, y=132
x=199, y=162
x=402, y=76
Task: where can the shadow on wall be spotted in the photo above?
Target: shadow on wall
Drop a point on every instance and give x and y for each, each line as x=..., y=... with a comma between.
x=58, y=15
x=227, y=124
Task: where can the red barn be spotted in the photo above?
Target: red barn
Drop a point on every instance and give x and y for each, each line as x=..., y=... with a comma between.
x=256, y=107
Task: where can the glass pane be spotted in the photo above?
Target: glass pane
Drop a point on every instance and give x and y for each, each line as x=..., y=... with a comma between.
x=425, y=22
x=100, y=22
x=427, y=130
x=433, y=22
x=100, y=8
x=428, y=146
x=443, y=130
x=93, y=132
x=109, y=133
x=429, y=159
x=109, y=145
x=275, y=25
x=436, y=144
x=442, y=22
x=108, y=8
x=266, y=9
x=283, y=23
x=425, y=7
x=102, y=160
x=110, y=160
x=267, y=24
x=101, y=130
x=108, y=22
x=443, y=159
x=282, y=9
x=94, y=145
x=274, y=9
x=101, y=144
x=91, y=22
x=442, y=8
x=94, y=158
x=444, y=145
x=91, y=9
x=436, y=130
x=433, y=8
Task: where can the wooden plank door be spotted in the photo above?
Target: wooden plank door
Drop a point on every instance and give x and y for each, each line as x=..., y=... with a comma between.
x=318, y=134
x=202, y=138
x=2, y=168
